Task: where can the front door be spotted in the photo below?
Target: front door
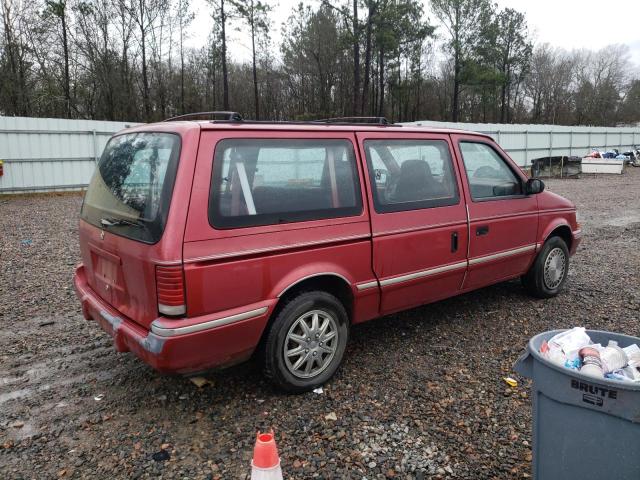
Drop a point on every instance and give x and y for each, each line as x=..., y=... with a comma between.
x=503, y=220
x=418, y=217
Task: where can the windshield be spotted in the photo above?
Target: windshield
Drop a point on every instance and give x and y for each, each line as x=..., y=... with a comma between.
x=130, y=191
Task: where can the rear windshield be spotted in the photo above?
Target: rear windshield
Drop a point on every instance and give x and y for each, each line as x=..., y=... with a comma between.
x=131, y=188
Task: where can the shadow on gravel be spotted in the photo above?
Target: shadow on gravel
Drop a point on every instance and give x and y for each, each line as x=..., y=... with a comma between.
x=382, y=334
x=376, y=335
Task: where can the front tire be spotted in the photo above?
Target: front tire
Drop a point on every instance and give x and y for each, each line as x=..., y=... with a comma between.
x=548, y=274
x=306, y=342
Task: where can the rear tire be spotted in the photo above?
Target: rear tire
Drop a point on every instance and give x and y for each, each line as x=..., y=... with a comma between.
x=548, y=274
x=306, y=342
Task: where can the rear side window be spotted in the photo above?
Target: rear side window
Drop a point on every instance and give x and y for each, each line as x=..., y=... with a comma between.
x=271, y=181
x=411, y=174
x=130, y=191
x=489, y=175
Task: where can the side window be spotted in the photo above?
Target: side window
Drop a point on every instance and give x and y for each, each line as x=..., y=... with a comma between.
x=271, y=181
x=489, y=175
x=411, y=174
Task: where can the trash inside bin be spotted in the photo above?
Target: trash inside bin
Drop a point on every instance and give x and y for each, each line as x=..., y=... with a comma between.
x=584, y=426
x=574, y=349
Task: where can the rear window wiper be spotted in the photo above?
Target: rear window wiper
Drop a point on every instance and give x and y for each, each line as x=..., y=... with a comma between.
x=114, y=222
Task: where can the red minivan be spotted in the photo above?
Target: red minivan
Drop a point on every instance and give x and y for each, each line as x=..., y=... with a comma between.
x=205, y=241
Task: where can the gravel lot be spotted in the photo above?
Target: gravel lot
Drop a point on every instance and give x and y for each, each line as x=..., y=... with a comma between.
x=420, y=394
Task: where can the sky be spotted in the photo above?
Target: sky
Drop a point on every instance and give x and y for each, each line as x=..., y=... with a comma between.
x=570, y=24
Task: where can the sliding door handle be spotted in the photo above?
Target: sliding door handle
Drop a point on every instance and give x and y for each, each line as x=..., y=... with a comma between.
x=482, y=230
x=454, y=242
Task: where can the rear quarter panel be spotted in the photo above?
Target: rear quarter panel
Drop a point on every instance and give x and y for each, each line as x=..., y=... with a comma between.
x=231, y=268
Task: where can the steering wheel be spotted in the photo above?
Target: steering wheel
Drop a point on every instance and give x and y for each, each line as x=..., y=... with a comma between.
x=485, y=172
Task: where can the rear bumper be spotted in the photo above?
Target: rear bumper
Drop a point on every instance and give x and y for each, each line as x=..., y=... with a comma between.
x=183, y=345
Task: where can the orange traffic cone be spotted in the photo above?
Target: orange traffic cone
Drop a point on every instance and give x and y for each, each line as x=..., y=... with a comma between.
x=266, y=463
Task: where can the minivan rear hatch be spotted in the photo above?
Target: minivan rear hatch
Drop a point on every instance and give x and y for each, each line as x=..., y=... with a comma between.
x=125, y=212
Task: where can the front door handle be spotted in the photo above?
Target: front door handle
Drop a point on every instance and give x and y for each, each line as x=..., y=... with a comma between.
x=482, y=230
x=454, y=242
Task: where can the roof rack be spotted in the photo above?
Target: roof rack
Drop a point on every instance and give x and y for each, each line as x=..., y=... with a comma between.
x=224, y=116
x=358, y=120
x=220, y=115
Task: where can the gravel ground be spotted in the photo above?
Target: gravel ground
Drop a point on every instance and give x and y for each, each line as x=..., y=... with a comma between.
x=420, y=394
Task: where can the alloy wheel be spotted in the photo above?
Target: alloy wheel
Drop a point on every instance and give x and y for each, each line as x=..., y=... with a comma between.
x=555, y=267
x=311, y=344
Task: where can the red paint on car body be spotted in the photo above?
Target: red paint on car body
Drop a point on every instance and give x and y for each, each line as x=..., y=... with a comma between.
x=234, y=278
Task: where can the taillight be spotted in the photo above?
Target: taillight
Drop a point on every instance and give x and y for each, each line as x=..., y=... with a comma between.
x=170, y=288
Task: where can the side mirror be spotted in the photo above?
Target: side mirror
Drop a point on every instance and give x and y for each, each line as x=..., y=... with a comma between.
x=533, y=186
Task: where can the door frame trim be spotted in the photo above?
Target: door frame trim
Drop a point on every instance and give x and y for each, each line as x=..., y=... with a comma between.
x=367, y=285
x=423, y=273
x=507, y=253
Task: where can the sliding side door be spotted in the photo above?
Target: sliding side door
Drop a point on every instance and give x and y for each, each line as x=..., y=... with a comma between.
x=418, y=217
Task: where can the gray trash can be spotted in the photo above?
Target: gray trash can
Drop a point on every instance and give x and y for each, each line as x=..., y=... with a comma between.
x=583, y=428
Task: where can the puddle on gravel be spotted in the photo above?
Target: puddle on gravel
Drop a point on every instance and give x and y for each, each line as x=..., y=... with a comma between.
x=24, y=392
x=10, y=380
x=36, y=372
x=625, y=220
x=82, y=378
x=27, y=430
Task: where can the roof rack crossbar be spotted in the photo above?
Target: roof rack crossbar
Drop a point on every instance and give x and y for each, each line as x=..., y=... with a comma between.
x=217, y=115
x=369, y=120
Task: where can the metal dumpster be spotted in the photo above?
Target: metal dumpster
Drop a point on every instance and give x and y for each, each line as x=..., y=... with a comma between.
x=583, y=428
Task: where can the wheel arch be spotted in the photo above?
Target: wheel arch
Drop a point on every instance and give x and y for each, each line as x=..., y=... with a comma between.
x=331, y=282
x=559, y=229
x=331, y=277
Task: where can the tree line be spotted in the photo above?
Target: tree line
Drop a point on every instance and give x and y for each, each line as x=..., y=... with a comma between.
x=469, y=61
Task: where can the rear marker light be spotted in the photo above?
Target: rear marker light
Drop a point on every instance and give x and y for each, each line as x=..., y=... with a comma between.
x=170, y=289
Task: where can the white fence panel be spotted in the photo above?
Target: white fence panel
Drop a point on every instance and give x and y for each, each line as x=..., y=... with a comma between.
x=46, y=154
x=528, y=142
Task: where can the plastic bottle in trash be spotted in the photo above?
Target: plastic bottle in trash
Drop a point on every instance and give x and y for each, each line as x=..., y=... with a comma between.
x=633, y=355
x=613, y=357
